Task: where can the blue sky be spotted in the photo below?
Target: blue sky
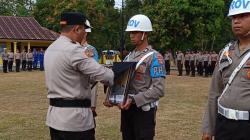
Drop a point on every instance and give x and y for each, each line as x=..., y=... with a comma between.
x=118, y=3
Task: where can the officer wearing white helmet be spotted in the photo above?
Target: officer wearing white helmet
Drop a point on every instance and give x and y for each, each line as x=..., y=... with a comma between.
x=227, y=115
x=69, y=73
x=91, y=52
x=147, y=85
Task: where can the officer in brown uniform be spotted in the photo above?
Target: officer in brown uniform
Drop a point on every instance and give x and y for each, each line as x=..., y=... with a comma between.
x=192, y=63
x=147, y=84
x=29, y=59
x=205, y=58
x=24, y=59
x=214, y=58
x=199, y=63
x=68, y=73
x=17, y=60
x=227, y=114
x=187, y=62
x=10, y=60
x=167, y=57
x=5, y=60
x=180, y=60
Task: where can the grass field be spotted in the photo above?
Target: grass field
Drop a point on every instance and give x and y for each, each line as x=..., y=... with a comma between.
x=23, y=107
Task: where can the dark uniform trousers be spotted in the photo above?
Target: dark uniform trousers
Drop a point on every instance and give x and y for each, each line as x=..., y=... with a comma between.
x=29, y=65
x=206, y=68
x=179, y=66
x=18, y=65
x=213, y=63
x=192, y=68
x=5, y=66
x=227, y=129
x=187, y=67
x=24, y=65
x=200, y=68
x=69, y=135
x=167, y=66
x=137, y=124
x=10, y=64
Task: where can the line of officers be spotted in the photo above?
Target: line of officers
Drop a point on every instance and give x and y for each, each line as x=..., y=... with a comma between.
x=24, y=60
x=203, y=62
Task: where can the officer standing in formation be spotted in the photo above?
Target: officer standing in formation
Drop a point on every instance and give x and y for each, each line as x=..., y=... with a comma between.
x=187, y=62
x=199, y=63
x=214, y=59
x=91, y=52
x=24, y=57
x=192, y=63
x=146, y=86
x=35, y=58
x=68, y=73
x=206, y=60
x=30, y=59
x=10, y=60
x=41, y=59
x=17, y=60
x=227, y=115
x=5, y=60
x=180, y=60
x=167, y=57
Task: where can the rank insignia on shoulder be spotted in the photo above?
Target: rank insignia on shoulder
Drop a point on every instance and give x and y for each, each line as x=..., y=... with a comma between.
x=157, y=69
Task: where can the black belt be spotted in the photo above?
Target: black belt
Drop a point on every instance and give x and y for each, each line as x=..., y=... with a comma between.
x=60, y=102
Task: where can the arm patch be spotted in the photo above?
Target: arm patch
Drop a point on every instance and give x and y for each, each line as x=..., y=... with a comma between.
x=157, y=68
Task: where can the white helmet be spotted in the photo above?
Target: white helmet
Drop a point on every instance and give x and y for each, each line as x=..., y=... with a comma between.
x=239, y=7
x=88, y=30
x=139, y=23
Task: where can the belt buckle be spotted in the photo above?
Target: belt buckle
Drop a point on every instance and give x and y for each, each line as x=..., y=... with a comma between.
x=233, y=114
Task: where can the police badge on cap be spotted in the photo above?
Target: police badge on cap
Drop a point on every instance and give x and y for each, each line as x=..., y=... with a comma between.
x=73, y=18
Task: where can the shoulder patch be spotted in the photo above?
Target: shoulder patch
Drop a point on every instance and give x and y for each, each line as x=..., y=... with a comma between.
x=157, y=68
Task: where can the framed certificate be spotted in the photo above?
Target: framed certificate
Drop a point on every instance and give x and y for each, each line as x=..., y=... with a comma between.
x=118, y=92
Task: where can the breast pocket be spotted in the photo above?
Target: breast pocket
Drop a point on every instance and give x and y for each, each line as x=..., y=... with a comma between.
x=140, y=74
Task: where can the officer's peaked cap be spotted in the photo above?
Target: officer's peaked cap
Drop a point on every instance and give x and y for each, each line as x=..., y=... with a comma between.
x=73, y=18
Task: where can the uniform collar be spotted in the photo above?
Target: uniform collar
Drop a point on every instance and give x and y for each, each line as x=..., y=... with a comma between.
x=63, y=37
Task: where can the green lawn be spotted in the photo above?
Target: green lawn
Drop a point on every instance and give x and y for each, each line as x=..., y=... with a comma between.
x=23, y=107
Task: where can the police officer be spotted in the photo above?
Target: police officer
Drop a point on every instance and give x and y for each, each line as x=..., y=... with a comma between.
x=214, y=58
x=227, y=114
x=147, y=84
x=91, y=52
x=199, y=63
x=30, y=59
x=41, y=59
x=167, y=57
x=10, y=60
x=180, y=60
x=205, y=58
x=35, y=59
x=187, y=62
x=68, y=73
x=17, y=60
x=5, y=60
x=24, y=59
x=192, y=63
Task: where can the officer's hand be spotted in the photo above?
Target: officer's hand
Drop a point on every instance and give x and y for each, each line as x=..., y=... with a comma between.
x=207, y=137
x=107, y=103
x=127, y=104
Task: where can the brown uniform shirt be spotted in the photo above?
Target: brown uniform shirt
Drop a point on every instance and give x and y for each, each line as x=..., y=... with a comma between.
x=237, y=95
x=145, y=88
